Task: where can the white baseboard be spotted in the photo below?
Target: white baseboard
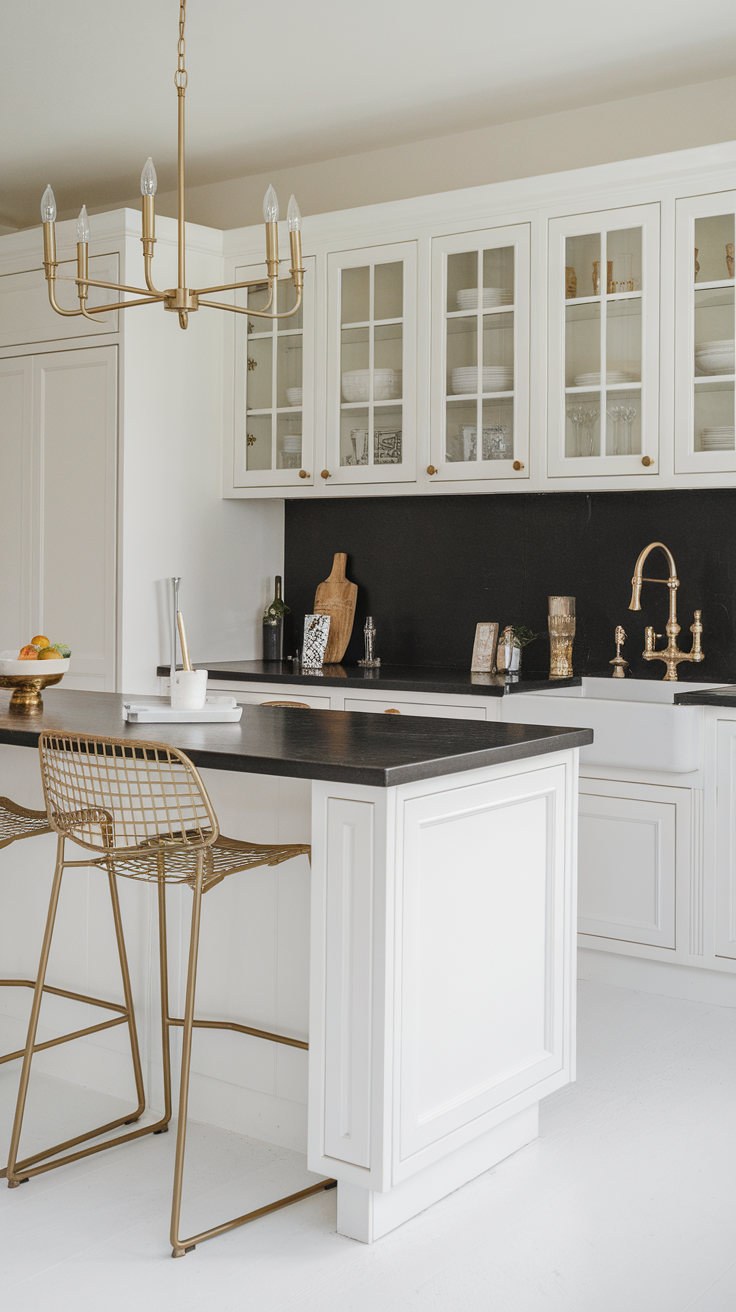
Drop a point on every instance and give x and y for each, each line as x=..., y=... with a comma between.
x=669, y=978
x=365, y=1215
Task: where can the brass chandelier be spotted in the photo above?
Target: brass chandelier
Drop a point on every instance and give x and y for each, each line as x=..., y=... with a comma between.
x=181, y=299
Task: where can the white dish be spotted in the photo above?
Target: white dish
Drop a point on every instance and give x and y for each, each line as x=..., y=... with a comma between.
x=291, y=442
x=386, y=384
x=495, y=378
x=9, y=664
x=294, y=395
x=467, y=298
x=594, y=379
x=723, y=344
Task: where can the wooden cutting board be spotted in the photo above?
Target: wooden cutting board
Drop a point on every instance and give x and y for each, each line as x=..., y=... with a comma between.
x=336, y=597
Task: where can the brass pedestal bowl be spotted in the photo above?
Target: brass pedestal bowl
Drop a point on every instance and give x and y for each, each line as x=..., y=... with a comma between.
x=28, y=686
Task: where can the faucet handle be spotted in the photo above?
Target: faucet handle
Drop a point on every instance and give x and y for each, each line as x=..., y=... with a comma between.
x=697, y=631
x=650, y=637
x=620, y=666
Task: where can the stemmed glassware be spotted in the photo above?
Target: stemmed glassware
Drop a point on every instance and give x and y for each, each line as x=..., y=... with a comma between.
x=622, y=417
x=585, y=418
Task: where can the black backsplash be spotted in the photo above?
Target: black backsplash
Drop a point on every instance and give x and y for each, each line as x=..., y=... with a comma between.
x=429, y=568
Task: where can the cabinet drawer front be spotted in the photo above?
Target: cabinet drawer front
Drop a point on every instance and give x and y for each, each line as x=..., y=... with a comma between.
x=417, y=708
x=279, y=695
x=627, y=869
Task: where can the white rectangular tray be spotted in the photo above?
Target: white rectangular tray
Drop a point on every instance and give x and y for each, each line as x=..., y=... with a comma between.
x=216, y=710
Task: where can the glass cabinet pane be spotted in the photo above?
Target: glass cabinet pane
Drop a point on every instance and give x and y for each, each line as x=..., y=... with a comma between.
x=623, y=261
x=497, y=430
x=461, y=431
x=388, y=290
x=388, y=353
x=289, y=441
x=258, y=442
x=387, y=443
x=714, y=248
x=583, y=266
x=714, y=330
x=354, y=437
x=582, y=425
x=498, y=352
x=258, y=300
x=355, y=295
x=583, y=345
x=462, y=355
x=260, y=375
x=714, y=416
x=623, y=341
x=462, y=281
x=289, y=371
x=623, y=423
x=286, y=300
x=498, y=276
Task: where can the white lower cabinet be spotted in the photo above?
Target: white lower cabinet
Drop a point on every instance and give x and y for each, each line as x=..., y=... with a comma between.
x=633, y=851
x=726, y=839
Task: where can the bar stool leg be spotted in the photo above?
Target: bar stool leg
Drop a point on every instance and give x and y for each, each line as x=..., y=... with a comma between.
x=25, y=1074
x=128, y=995
x=163, y=959
x=178, y=1249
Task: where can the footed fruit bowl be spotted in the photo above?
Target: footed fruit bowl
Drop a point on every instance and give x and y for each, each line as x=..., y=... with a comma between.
x=28, y=680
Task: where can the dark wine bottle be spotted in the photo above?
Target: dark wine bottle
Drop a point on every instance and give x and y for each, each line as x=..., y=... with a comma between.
x=273, y=626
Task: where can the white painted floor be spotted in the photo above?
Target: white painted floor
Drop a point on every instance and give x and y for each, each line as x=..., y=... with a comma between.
x=626, y=1203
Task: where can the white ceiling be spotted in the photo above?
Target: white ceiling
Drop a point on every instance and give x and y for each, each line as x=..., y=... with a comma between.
x=86, y=86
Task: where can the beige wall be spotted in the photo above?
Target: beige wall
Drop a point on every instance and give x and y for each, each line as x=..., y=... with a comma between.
x=698, y=115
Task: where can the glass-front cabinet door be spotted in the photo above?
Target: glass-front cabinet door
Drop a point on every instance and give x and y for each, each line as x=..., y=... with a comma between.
x=604, y=343
x=480, y=355
x=704, y=321
x=371, y=365
x=274, y=386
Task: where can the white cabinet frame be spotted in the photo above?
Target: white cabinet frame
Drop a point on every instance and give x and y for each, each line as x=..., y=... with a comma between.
x=558, y=464
x=519, y=237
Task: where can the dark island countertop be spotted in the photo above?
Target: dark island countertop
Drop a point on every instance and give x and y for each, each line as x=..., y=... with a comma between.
x=725, y=696
x=340, y=746
x=390, y=678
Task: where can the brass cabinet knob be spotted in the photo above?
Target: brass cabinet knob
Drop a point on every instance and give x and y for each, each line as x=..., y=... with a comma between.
x=431, y=469
x=647, y=461
x=518, y=464
x=325, y=473
x=303, y=473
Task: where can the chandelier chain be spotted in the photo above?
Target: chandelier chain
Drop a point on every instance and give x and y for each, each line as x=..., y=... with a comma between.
x=181, y=76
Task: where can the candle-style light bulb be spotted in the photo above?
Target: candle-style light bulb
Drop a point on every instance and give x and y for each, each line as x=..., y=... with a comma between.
x=294, y=215
x=83, y=225
x=48, y=206
x=149, y=181
x=271, y=206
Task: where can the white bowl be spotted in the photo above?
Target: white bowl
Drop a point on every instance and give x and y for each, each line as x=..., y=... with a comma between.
x=11, y=665
x=294, y=395
x=386, y=384
x=723, y=344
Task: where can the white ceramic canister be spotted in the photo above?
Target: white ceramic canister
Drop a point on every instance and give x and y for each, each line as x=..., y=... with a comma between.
x=188, y=690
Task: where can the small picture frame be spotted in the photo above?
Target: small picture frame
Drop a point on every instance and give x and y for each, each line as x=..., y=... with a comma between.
x=484, y=648
x=316, y=633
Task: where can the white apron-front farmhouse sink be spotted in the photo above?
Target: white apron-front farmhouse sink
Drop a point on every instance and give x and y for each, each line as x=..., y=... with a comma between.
x=636, y=724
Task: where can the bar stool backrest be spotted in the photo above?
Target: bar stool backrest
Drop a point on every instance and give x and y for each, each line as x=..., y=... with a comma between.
x=120, y=794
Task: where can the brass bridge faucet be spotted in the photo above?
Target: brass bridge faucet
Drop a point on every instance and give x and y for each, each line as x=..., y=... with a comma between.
x=671, y=654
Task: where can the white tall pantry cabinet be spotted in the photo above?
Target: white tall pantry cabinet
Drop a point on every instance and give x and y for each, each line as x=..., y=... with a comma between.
x=110, y=438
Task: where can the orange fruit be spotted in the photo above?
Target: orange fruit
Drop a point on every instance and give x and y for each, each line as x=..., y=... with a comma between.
x=28, y=654
x=39, y=641
x=49, y=654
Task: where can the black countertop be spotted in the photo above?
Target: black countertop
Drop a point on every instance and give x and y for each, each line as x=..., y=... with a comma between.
x=341, y=746
x=390, y=678
x=708, y=697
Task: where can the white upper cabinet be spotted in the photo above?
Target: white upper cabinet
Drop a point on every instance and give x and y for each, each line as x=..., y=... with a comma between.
x=480, y=355
x=604, y=343
x=704, y=321
x=371, y=365
x=274, y=386
x=26, y=315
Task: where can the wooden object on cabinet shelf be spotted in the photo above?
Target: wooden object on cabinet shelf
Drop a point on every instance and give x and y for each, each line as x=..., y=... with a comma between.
x=336, y=597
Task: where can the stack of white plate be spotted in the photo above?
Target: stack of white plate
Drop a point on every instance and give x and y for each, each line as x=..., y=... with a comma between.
x=613, y=376
x=386, y=384
x=717, y=439
x=467, y=299
x=715, y=357
x=495, y=378
x=294, y=395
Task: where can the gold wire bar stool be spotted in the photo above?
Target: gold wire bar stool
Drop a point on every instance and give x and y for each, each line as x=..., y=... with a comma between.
x=143, y=812
x=18, y=822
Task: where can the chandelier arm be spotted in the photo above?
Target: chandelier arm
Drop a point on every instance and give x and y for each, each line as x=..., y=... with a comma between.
x=119, y=305
x=261, y=283
x=256, y=314
x=68, y=314
x=149, y=282
x=112, y=286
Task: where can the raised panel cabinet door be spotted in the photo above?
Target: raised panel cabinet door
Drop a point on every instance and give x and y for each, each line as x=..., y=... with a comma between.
x=26, y=315
x=273, y=412
x=603, y=329
x=75, y=452
x=705, y=369
x=16, y=525
x=371, y=366
x=628, y=862
x=480, y=356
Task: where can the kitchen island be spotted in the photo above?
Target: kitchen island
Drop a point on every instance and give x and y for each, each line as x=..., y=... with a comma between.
x=435, y=941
